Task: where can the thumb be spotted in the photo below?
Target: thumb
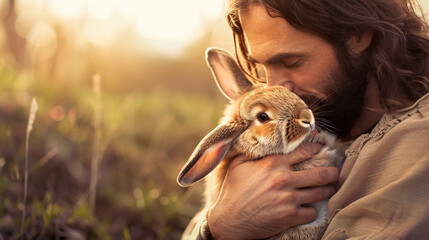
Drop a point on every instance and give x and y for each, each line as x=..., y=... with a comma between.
x=304, y=152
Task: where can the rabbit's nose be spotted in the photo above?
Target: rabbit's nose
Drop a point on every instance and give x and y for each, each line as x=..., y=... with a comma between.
x=306, y=119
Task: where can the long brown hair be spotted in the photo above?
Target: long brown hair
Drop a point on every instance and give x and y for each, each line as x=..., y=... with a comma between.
x=398, y=56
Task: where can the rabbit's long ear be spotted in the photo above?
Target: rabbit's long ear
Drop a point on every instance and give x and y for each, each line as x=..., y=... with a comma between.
x=209, y=152
x=230, y=79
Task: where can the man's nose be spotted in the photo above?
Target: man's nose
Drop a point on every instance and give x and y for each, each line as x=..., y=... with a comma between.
x=276, y=79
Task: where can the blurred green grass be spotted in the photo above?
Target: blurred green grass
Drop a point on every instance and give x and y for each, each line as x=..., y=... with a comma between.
x=153, y=109
x=146, y=135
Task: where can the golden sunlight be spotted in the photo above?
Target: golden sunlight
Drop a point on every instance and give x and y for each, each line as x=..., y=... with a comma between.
x=164, y=26
x=169, y=25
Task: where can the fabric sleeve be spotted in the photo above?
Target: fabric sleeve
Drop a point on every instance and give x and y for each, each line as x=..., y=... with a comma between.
x=399, y=210
x=384, y=192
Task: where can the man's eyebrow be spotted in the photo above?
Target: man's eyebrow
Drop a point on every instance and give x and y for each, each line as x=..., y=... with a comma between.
x=277, y=57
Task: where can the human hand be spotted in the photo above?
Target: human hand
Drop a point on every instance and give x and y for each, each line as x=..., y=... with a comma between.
x=262, y=198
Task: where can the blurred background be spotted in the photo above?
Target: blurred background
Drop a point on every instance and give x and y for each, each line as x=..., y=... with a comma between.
x=123, y=96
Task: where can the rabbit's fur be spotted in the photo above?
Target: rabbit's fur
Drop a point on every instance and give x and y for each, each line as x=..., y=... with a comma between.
x=259, y=121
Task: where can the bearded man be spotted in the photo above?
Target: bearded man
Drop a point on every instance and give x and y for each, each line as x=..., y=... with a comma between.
x=363, y=67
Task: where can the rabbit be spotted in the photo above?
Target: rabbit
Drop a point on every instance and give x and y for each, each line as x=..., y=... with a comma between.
x=259, y=121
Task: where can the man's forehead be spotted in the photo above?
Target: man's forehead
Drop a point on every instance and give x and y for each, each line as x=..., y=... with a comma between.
x=269, y=39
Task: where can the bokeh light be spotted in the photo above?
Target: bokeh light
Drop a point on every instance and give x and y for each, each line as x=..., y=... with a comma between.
x=163, y=26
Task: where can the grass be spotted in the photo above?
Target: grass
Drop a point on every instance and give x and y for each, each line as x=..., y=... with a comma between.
x=143, y=139
x=31, y=118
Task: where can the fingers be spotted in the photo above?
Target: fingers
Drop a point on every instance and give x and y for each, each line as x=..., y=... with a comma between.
x=305, y=215
x=314, y=177
x=300, y=189
x=303, y=152
x=279, y=169
x=297, y=214
x=311, y=195
x=318, y=176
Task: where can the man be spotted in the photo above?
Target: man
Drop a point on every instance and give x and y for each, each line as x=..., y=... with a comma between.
x=364, y=67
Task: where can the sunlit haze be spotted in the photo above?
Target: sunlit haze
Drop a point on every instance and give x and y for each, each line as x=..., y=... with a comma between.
x=165, y=26
x=159, y=26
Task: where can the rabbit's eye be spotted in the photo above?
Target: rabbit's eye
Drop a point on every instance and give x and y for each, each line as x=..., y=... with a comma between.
x=263, y=117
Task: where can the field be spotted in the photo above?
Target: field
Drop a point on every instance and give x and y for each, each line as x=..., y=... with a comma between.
x=111, y=132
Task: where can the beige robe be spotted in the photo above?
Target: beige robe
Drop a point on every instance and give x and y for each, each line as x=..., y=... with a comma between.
x=384, y=183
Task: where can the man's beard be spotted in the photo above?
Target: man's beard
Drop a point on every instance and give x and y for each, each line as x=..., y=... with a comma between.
x=342, y=107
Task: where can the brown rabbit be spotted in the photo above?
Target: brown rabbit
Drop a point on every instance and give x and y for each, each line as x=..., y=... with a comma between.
x=259, y=121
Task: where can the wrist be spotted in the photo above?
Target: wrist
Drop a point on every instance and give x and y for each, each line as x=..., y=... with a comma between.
x=220, y=228
x=210, y=227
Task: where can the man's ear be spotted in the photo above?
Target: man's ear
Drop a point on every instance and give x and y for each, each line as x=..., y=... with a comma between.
x=358, y=43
